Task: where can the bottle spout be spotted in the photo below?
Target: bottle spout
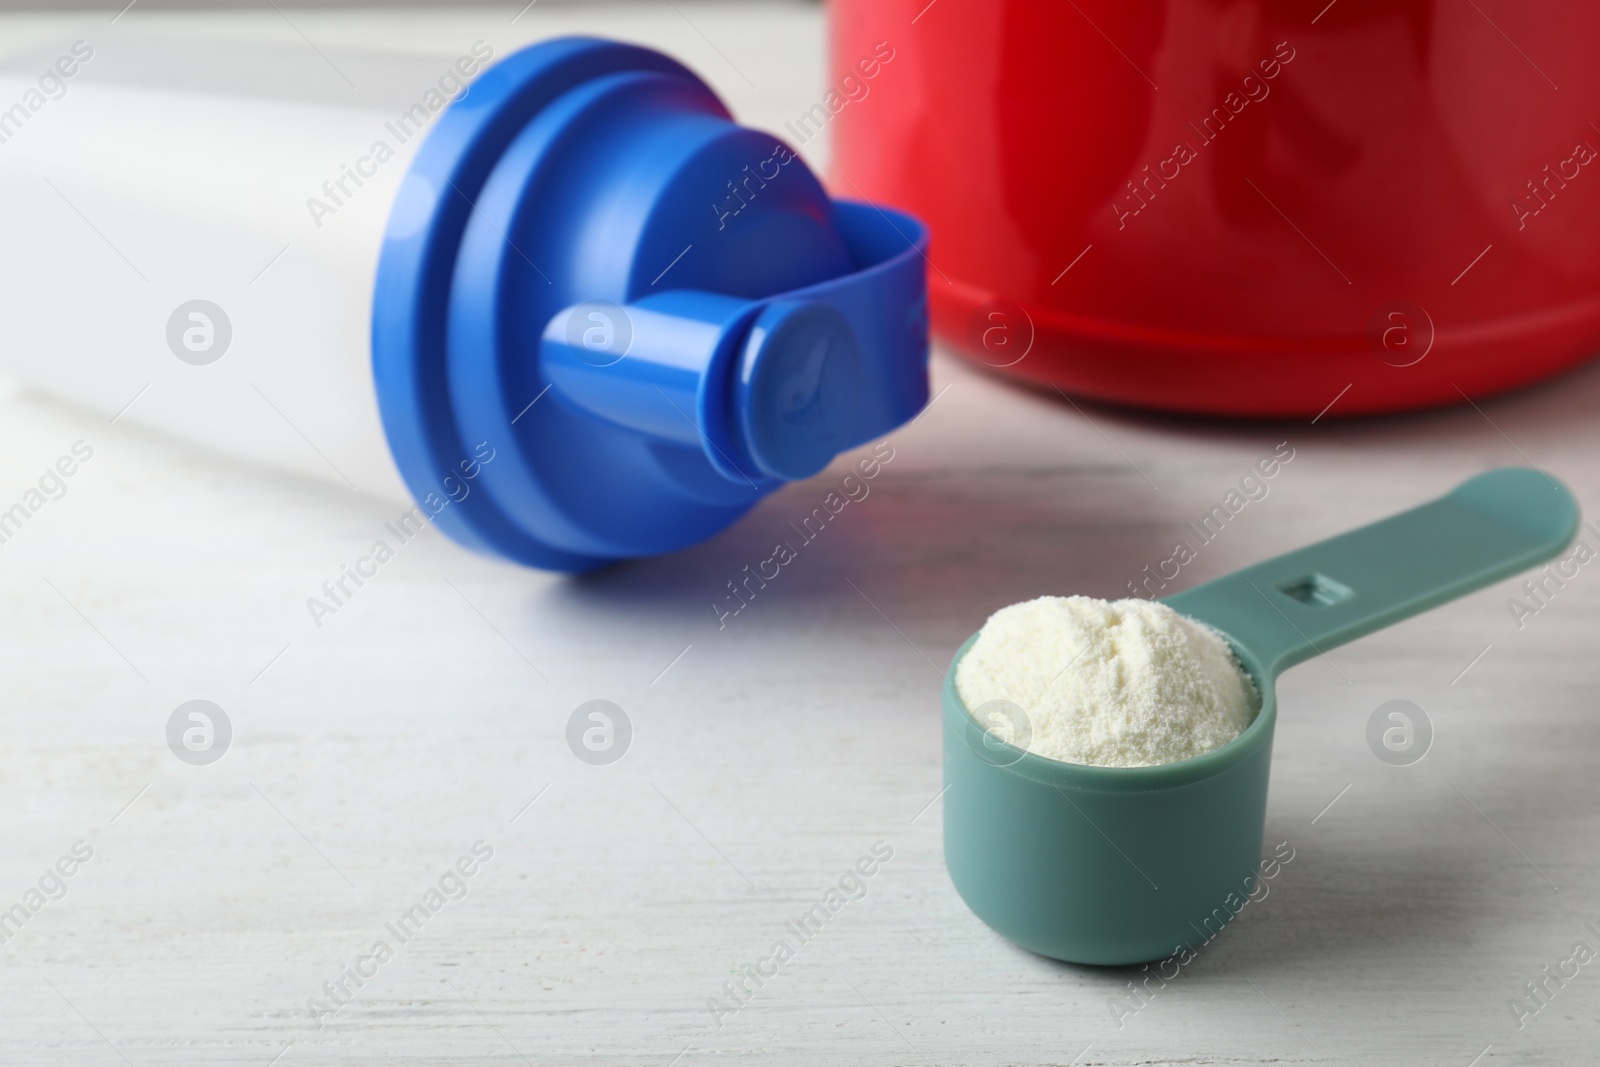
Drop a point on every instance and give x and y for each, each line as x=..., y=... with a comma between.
x=767, y=390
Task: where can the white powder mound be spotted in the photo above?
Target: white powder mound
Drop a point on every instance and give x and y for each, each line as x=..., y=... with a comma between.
x=1124, y=683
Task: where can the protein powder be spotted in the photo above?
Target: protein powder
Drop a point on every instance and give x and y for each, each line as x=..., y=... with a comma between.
x=1122, y=683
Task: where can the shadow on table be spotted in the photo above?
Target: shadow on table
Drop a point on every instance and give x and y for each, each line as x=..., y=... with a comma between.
x=934, y=553
x=1356, y=902
x=1530, y=418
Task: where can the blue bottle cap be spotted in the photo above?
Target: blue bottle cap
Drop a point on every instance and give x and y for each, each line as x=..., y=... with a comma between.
x=608, y=320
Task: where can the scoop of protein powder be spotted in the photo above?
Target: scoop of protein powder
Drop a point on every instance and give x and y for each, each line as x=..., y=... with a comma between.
x=1122, y=683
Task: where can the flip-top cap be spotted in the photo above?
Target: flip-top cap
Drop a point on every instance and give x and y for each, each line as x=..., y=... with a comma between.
x=646, y=316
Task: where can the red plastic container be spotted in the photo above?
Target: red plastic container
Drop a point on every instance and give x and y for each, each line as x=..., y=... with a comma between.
x=1239, y=207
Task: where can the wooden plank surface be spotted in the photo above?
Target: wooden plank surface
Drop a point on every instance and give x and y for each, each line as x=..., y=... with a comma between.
x=371, y=755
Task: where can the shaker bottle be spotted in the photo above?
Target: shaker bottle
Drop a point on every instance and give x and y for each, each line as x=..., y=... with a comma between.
x=558, y=299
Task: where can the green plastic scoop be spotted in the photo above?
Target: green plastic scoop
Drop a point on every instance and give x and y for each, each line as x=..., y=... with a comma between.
x=1118, y=865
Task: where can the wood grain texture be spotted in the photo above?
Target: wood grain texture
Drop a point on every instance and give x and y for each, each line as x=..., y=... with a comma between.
x=370, y=754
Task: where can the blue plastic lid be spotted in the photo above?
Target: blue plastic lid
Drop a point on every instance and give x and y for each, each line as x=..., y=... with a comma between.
x=608, y=320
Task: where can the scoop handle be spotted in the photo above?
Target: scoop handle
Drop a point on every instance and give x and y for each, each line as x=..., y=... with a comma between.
x=1290, y=608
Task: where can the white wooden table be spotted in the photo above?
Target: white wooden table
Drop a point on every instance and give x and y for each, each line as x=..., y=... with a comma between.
x=369, y=756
